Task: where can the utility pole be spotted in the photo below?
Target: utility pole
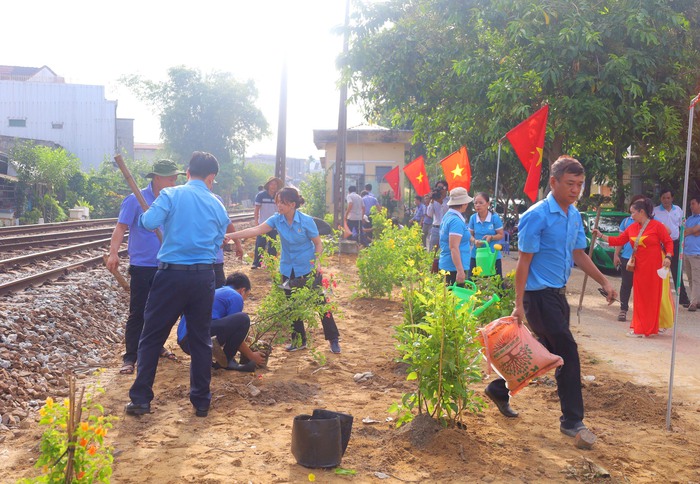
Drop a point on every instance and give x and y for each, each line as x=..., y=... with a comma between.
x=341, y=147
x=281, y=157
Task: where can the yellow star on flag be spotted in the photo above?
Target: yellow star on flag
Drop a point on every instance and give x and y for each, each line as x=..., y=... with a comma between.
x=457, y=172
x=539, y=156
x=641, y=240
x=420, y=178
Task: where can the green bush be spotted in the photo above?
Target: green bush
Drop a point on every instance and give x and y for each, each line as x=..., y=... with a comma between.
x=313, y=189
x=438, y=343
x=394, y=257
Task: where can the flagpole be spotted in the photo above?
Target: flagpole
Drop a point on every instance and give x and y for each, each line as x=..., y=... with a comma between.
x=495, y=190
x=680, y=259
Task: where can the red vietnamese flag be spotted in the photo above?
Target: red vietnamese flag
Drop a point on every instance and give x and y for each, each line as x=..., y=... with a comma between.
x=527, y=139
x=415, y=171
x=457, y=171
x=392, y=178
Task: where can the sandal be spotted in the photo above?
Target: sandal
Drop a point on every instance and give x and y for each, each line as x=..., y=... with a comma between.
x=622, y=316
x=165, y=353
x=127, y=368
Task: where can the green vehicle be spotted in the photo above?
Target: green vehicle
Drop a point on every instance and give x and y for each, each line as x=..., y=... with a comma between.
x=609, y=224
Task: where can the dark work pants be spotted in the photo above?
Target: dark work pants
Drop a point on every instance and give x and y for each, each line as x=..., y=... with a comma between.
x=625, y=285
x=174, y=293
x=219, y=275
x=140, y=285
x=230, y=332
x=356, y=227
x=548, y=314
x=683, y=299
x=262, y=242
x=330, y=330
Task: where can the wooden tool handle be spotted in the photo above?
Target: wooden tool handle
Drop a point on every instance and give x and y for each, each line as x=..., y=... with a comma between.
x=118, y=275
x=134, y=188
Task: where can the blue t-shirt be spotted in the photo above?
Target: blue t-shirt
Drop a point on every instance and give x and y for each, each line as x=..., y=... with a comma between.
x=298, y=249
x=420, y=212
x=227, y=301
x=626, y=251
x=369, y=201
x=143, y=244
x=487, y=227
x=194, y=223
x=552, y=235
x=453, y=223
x=692, y=242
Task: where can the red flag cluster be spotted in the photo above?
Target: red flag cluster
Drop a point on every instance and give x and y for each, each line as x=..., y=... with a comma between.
x=527, y=140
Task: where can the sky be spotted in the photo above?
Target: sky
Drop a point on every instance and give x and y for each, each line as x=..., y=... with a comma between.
x=97, y=42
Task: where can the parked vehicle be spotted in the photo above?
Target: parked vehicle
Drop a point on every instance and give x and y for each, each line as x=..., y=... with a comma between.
x=609, y=224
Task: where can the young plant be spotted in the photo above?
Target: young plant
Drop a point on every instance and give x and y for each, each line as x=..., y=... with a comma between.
x=72, y=446
x=438, y=342
x=277, y=310
x=384, y=265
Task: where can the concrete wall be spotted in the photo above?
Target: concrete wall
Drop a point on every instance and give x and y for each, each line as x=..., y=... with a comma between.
x=77, y=117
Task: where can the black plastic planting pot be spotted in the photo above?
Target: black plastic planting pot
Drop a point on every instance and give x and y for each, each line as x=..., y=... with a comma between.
x=320, y=440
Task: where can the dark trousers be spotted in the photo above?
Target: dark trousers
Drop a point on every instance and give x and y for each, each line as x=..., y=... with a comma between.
x=174, y=293
x=219, y=275
x=683, y=299
x=230, y=332
x=356, y=227
x=626, y=282
x=140, y=285
x=330, y=330
x=548, y=314
x=263, y=243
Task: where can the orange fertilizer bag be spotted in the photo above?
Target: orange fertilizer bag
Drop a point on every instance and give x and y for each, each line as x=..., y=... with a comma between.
x=514, y=353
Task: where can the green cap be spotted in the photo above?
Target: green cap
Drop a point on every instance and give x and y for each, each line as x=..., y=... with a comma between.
x=164, y=168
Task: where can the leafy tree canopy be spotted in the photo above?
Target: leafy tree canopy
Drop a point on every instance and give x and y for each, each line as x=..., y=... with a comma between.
x=211, y=112
x=616, y=73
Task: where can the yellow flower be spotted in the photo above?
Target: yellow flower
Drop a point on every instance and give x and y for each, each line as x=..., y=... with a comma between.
x=410, y=262
x=66, y=402
x=477, y=271
x=312, y=478
x=42, y=412
x=84, y=426
x=511, y=273
x=49, y=402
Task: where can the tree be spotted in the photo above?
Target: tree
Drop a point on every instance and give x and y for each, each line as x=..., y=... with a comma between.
x=616, y=74
x=213, y=112
x=43, y=174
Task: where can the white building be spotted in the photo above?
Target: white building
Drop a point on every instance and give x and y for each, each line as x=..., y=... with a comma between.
x=37, y=104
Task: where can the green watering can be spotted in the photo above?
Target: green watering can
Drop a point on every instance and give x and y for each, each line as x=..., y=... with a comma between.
x=464, y=294
x=486, y=259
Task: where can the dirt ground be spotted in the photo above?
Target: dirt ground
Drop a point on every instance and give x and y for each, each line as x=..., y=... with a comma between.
x=247, y=438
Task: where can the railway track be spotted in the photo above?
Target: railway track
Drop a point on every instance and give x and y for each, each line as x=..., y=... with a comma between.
x=79, y=247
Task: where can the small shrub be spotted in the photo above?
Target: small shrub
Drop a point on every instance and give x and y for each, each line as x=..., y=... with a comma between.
x=438, y=342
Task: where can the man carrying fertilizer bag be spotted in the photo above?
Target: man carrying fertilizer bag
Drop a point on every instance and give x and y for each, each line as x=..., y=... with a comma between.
x=551, y=239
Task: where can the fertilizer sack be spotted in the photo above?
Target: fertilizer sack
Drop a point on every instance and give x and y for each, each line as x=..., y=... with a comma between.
x=515, y=354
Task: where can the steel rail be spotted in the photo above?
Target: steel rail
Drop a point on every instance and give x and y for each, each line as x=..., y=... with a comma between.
x=39, y=228
x=23, y=283
x=24, y=259
x=52, y=239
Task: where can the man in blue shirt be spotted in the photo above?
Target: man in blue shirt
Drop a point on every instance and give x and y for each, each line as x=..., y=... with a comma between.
x=672, y=217
x=551, y=239
x=143, y=251
x=691, y=252
x=229, y=326
x=194, y=224
x=620, y=259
